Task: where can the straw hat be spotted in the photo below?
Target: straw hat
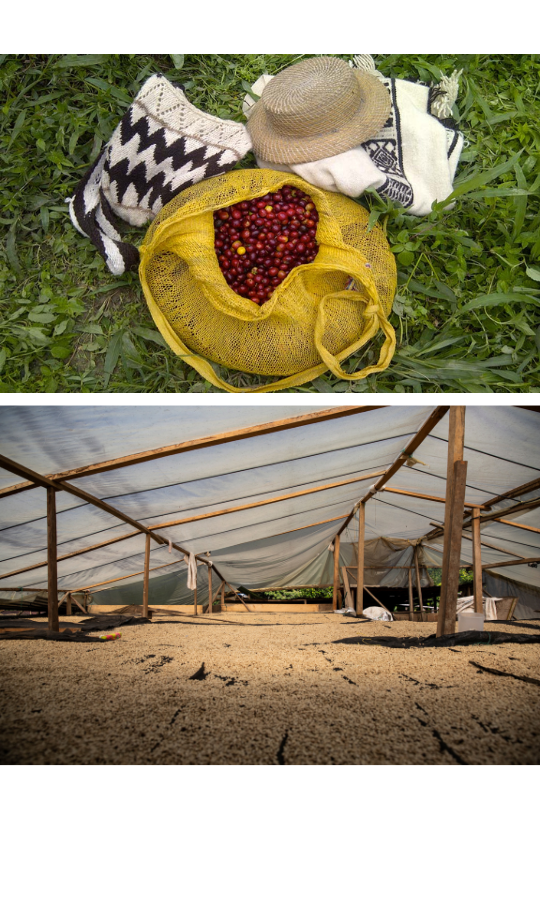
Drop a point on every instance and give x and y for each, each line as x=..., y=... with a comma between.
x=319, y=107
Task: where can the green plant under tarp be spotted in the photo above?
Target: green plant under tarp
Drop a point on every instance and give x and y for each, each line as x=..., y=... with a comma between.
x=300, y=594
x=467, y=310
x=465, y=576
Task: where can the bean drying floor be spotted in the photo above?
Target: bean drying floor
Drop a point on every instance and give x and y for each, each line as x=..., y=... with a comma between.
x=267, y=689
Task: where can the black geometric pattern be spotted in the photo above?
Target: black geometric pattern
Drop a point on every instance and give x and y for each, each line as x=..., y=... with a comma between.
x=386, y=153
x=161, y=146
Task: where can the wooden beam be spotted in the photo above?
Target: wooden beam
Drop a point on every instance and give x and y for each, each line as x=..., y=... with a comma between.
x=456, y=441
x=360, y=559
x=242, y=601
x=512, y=562
x=210, y=515
x=257, y=503
x=477, y=563
x=518, y=525
x=146, y=577
x=88, y=587
x=132, y=534
x=77, y=492
x=76, y=602
x=40, y=565
x=469, y=537
x=411, y=599
x=446, y=622
x=311, y=525
x=427, y=497
x=488, y=517
x=515, y=492
x=52, y=570
x=209, y=606
x=42, y=481
x=418, y=585
x=210, y=596
x=222, y=598
x=336, y=572
x=238, y=434
x=408, y=451
x=376, y=599
x=68, y=603
x=195, y=611
x=509, y=511
x=347, y=588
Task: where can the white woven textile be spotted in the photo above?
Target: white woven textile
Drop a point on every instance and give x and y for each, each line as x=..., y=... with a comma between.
x=412, y=161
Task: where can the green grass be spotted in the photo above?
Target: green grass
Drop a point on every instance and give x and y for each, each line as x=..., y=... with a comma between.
x=466, y=314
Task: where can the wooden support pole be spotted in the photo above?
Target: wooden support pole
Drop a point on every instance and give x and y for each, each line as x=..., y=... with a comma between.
x=222, y=598
x=336, y=572
x=195, y=612
x=361, y=558
x=446, y=623
x=348, y=601
x=418, y=585
x=210, y=596
x=377, y=600
x=68, y=603
x=477, y=563
x=215, y=595
x=456, y=440
x=411, y=599
x=52, y=568
x=146, y=578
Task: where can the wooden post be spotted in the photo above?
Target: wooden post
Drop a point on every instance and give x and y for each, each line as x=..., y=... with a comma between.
x=68, y=604
x=456, y=437
x=348, y=601
x=146, y=576
x=360, y=561
x=418, y=585
x=52, y=569
x=210, y=596
x=195, y=601
x=222, y=598
x=446, y=623
x=411, y=600
x=336, y=572
x=477, y=562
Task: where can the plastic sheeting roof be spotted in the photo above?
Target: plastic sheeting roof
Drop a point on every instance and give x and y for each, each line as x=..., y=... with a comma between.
x=278, y=544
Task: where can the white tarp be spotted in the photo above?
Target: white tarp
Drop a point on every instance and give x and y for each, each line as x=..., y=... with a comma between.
x=279, y=544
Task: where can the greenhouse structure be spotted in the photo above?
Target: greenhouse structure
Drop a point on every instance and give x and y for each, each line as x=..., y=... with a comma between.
x=200, y=506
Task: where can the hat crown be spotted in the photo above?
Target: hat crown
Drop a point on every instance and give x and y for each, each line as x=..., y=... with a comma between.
x=315, y=96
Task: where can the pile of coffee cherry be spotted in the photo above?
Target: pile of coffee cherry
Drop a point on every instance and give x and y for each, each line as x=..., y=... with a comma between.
x=259, y=241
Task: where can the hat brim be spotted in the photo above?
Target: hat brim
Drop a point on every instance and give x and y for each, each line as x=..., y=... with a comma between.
x=270, y=145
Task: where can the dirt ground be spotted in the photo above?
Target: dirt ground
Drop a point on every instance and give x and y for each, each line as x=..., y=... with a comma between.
x=267, y=689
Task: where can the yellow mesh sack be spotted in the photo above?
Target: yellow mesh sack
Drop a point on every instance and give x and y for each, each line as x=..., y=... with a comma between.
x=310, y=324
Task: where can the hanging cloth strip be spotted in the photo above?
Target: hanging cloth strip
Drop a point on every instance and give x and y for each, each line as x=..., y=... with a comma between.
x=191, y=563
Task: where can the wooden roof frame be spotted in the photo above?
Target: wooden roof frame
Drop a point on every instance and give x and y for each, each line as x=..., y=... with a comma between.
x=237, y=434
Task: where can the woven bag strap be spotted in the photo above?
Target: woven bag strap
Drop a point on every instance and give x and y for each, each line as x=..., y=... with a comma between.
x=374, y=316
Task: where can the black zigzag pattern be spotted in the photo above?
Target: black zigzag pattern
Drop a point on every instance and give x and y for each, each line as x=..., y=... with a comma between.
x=122, y=177
x=98, y=200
